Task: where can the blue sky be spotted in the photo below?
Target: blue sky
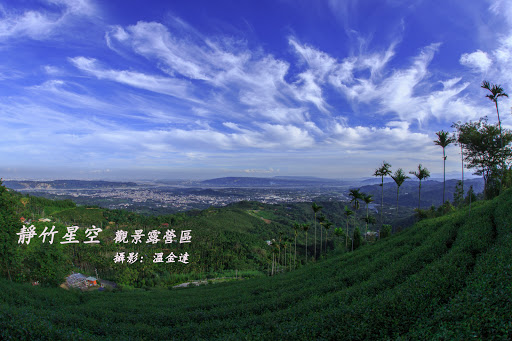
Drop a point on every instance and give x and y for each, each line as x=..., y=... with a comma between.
x=199, y=89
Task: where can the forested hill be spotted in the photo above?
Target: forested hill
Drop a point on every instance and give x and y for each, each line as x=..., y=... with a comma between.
x=444, y=278
x=231, y=238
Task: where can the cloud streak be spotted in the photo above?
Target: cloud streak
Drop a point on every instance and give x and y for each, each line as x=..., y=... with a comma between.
x=43, y=24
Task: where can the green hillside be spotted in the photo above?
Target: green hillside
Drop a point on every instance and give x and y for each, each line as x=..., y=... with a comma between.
x=444, y=278
x=224, y=240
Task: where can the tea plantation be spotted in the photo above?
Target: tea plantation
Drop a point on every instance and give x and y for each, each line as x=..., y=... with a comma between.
x=442, y=279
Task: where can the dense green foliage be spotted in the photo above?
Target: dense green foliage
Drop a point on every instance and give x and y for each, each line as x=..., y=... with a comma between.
x=8, y=227
x=386, y=231
x=444, y=278
x=487, y=150
x=228, y=238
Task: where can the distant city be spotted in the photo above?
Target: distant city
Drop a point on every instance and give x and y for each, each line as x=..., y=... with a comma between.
x=176, y=196
x=163, y=197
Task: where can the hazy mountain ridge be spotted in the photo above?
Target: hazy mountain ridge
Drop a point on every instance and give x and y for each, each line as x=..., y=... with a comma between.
x=66, y=184
x=274, y=182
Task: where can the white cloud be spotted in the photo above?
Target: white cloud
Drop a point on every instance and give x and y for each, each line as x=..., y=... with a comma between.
x=261, y=171
x=395, y=137
x=502, y=8
x=477, y=60
x=226, y=65
x=51, y=70
x=41, y=25
x=163, y=85
x=496, y=62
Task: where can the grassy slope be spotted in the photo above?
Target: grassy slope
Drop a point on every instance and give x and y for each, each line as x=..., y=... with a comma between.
x=446, y=278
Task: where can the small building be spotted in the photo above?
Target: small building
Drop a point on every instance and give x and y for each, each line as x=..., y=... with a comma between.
x=22, y=219
x=91, y=281
x=45, y=220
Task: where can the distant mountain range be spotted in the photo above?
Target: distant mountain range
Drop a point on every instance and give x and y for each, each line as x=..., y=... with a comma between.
x=65, y=184
x=278, y=181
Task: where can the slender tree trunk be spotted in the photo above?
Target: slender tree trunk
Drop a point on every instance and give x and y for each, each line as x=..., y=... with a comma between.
x=355, y=222
x=321, y=238
x=346, y=238
x=285, y=258
x=382, y=204
x=279, y=257
x=326, y=240
x=462, y=161
x=290, y=258
x=315, y=235
x=501, y=147
x=444, y=173
x=367, y=214
x=470, y=188
x=295, y=258
x=306, y=248
x=419, y=196
x=397, y=190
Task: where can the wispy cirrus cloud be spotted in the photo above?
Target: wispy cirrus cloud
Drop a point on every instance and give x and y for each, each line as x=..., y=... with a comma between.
x=163, y=85
x=45, y=22
x=223, y=64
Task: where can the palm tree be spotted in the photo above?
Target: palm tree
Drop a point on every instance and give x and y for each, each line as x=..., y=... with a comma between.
x=338, y=231
x=399, y=178
x=280, y=244
x=275, y=267
x=327, y=226
x=496, y=92
x=285, y=245
x=421, y=174
x=321, y=220
x=274, y=247
x=355, y=196
x=382, y=171
x=443, y=140
x=348, y=212
x=289, y=240
x=296, y=228
x=367, y=198
x=305, y=227
x=316, y=209
x=457, y=141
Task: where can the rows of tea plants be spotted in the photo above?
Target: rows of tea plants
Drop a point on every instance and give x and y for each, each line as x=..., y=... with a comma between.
x=444, y=278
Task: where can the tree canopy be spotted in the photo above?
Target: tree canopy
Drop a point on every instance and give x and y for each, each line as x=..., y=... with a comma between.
x=483, y=149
